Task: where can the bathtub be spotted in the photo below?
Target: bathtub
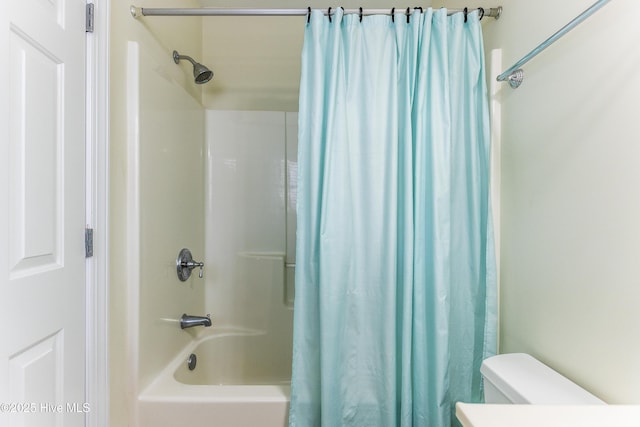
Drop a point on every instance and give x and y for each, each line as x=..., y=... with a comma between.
x=241, y=379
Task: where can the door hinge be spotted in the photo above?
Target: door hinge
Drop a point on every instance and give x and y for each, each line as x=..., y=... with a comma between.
x=89, y=19
x=88, y=242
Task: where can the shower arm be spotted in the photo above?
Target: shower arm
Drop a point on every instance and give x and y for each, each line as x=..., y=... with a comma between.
x=177, y=57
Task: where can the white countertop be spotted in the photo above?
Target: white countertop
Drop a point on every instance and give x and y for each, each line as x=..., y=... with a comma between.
x=483, y=415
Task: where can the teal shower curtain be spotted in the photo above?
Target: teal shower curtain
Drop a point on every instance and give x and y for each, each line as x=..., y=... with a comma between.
x=395, y=279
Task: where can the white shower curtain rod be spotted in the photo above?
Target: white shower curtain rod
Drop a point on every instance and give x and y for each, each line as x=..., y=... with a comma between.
x=137, y=12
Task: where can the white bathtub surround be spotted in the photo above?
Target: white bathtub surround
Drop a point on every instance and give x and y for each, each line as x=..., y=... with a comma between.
x=166, y=205
x=244, y=360
x=251, y=169
x=164, y=213
x=182, y=397
x=481, y=415
x=256, y=299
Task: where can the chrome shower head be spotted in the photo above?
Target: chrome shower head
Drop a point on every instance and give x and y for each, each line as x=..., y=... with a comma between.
x=201, y=74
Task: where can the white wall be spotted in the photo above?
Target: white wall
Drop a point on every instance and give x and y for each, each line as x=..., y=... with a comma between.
x=256, y=62
x=570, y=206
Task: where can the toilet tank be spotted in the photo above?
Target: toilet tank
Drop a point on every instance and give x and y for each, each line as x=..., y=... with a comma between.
x=521, y=379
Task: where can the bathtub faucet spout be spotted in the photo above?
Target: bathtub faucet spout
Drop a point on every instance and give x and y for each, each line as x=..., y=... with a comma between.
x=188, y=321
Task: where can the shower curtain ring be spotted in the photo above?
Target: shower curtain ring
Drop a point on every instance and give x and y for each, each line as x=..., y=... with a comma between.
x=329, y=13
x=408, y=14
x=393, y=14
x=481, y=10
x=360, y=14
x=309, y=15
x=466, y=11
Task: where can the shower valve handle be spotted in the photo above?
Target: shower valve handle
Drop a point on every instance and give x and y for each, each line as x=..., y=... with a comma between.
x=185, y=263
x=193, y=264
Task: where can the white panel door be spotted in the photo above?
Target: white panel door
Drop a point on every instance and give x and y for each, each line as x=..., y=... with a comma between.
x=42, y=209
